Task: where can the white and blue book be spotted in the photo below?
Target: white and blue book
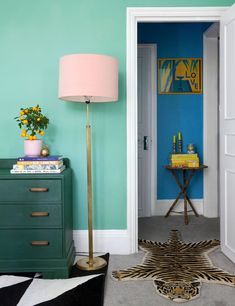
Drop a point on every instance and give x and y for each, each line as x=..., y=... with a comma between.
x=38, y=166
x=14, y=171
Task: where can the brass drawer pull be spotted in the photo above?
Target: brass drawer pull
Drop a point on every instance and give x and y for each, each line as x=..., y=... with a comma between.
x=39, y=243
x=38, y=189
x=39, y=214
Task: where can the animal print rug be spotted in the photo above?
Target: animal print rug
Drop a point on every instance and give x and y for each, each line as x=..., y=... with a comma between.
x=177, y=268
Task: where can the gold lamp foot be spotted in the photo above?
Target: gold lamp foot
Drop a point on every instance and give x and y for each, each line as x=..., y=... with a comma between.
x=95, y=264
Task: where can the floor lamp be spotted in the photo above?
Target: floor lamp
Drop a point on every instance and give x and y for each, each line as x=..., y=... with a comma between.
x=88, y=78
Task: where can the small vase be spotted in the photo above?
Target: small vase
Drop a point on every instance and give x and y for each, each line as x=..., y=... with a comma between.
x=32, y=147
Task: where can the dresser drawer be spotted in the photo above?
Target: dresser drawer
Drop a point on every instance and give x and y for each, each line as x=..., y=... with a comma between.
x=30, y=191
x=30, y=215
x=30, y=244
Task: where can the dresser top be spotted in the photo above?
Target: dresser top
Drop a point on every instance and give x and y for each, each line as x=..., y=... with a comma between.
x=6, y=166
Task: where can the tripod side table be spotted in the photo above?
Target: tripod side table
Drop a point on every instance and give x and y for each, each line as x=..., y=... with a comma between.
x=183, y=187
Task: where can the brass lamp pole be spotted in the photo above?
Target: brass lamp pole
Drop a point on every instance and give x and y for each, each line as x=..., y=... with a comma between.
x=91, y=262
x=88, y=78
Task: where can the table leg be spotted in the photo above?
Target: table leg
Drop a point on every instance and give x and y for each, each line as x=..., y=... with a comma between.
x=182, y=188
x=173, y=204
x=186, y=182
x=185, y=200
x=185, y=195
x=185, y=211
x=191, y=204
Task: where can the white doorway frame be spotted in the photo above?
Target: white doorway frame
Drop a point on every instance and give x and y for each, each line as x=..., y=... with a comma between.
x=148, y=14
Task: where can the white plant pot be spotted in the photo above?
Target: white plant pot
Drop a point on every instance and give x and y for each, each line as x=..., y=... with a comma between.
x=32, y=147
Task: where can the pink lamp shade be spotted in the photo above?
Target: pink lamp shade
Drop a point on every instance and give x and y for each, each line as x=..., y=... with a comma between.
x=91, y=76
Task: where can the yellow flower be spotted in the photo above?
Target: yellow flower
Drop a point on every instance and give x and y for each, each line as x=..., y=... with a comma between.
x=30, y=121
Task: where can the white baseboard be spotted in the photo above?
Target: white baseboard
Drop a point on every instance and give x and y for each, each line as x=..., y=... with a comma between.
x=118, y=241
x=104, y=241
x=162, y=206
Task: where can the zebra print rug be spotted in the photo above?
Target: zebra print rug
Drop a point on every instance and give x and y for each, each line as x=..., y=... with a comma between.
x=177, y=268
x=83, y=288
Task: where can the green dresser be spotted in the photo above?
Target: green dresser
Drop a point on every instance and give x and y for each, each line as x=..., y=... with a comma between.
x=36, y=222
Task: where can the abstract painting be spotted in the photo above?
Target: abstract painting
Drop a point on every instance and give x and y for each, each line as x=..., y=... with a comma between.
x=180, y=76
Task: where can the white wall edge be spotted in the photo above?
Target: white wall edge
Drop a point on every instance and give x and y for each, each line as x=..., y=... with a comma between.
x=162, y=206
x=104, y=241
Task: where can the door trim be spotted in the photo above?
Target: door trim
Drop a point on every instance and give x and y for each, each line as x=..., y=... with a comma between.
x=148, y=14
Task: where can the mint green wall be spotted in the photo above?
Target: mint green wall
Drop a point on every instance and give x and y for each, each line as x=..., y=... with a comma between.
x=33, y=36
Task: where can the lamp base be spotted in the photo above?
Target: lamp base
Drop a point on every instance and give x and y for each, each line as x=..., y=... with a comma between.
x=97, y=263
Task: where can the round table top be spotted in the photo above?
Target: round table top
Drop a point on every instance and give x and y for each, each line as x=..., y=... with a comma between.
x=169, y=167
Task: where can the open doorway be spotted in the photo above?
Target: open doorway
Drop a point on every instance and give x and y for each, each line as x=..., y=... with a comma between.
x=195, y=115
x=223, y=15
x=226, y=18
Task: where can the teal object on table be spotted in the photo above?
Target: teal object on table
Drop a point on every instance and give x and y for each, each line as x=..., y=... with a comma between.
x=36, y=222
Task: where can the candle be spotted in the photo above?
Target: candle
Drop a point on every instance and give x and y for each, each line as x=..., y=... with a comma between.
x=179, y=136
x=179, y=143
x=174, y=144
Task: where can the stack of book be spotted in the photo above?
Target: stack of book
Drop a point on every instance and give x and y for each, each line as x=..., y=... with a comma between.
x=184, y=160
x=39, y=164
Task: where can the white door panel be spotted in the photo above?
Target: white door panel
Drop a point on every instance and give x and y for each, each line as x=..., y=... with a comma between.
x=227, y=132
x=145, y=94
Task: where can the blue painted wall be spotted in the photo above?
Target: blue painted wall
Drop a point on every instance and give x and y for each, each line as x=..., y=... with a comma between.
x=181, y=112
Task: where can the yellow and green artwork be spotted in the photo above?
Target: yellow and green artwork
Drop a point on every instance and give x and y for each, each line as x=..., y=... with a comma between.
x=180, y=76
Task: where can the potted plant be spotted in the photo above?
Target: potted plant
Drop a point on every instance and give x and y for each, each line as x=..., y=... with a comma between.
x=32, y=124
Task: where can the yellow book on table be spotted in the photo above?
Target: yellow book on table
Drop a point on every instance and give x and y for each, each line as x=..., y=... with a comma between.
x=191, y=163
x=184, y=156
